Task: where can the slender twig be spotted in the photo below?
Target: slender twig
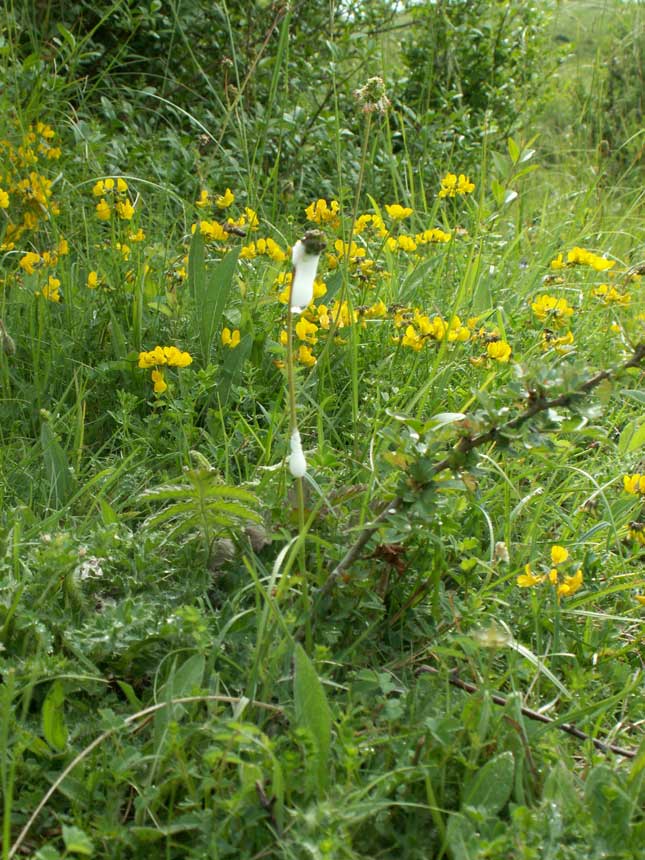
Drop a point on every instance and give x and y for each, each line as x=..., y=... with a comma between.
x=537, y=404
x=570, y=729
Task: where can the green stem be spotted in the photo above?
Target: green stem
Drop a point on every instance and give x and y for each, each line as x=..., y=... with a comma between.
x=300, y=493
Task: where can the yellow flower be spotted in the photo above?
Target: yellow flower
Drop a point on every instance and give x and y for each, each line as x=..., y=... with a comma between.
x=29, y=261
x=212, y=230
x=433, y=235
x=354, y=251
x=570, y=585
x=161, y=355
x=109, y=184
x=306, y=331
x=561, y=345
x=412, y=339
x=99, y=189
x=121, y=185
x=139, y=236
x=248, y=252
x=92, y=280
x=125, y=210
x=451, y=185
x=528, y=579
x=51, y=289
x=274, y=251
x=231, y=339
x=103, y=210
x=499, y=350
x=378, y=309
x=406, y=243
x=159, y=382
x=553, y=576
x=557, y=311
x=397, y=212
x=63, y=248
x=176, y=358
x=252, y=220
x=609, y=295
x=204, y=199
x=4, y=199
x=319, y=288
x=558, y=263
x=223, y=201
x=634, y=484
x=636, y=532
x=558, y=554
x=464, y=185
x=579, y=256
x=640, y=598
x=320, y=213
x=305, y=356
x=284, y=337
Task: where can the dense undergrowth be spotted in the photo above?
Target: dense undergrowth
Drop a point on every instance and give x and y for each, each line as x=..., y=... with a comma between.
x=430, y=645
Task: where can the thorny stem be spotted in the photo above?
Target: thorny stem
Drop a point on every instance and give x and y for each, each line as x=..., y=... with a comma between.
x=470, y=443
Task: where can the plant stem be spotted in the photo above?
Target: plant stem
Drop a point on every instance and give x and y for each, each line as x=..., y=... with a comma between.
x=300, y=493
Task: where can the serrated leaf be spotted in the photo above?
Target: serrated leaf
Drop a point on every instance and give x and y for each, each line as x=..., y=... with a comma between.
x=490, y=788
x=312, y=711
x=53, y=717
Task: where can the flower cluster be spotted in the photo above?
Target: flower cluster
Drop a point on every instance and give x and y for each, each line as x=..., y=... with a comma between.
x=26, y=198
x=116, y=192
x=322, y=213
x=609, y=295
x=453, y=185
x=263, y=248
x=219, y=231
x=159, y=357
x=581, y=257
x=230, y=339
x=566, y=585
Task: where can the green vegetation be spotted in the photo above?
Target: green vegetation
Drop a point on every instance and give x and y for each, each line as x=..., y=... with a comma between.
x=334, y=561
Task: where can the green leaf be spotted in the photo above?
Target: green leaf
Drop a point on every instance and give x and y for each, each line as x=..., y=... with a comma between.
x=312, y=711
x=638, y=396
x=461, y=837
x=490, y=788
x=188, y=677
x=56, y=466
x=513, y=150
x=632, y=437
x=53, y=717
x=498, y=192
x=210, y=290
x=77, y=841
x=610, y=804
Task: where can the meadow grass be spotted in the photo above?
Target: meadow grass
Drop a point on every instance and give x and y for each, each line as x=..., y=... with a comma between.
x=431, y=645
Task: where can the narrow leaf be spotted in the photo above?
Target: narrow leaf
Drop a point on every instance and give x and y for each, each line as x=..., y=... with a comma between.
x=312, y=711
x=53, y=717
